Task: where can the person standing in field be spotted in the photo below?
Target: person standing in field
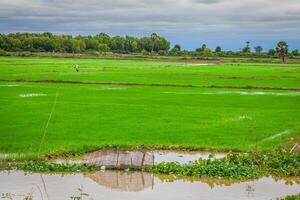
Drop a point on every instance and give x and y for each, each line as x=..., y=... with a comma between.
x=77, y=68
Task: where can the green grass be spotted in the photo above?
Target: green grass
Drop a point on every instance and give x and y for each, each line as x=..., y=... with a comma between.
x=93, y=116
x=268, y=75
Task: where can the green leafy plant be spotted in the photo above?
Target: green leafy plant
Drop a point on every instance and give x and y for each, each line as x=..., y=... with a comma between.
x=236, y=166
x=292, y=197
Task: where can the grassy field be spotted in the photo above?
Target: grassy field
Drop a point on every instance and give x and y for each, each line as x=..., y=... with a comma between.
x=183, y=113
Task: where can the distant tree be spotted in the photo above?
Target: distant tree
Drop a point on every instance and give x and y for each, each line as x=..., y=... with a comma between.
x=218, y=49
x=27, y=44
x=77, y=46
x=103, y=38
x=207, y=52
x=48, y=45
x=162, y=44
x=201, y=48
x=282, y=50
x=247, y=48
x=177, y=46
x=295, y=52
x=91, y=44
x=154, y=38
x=117, y=43
x=271, y=52
x=144, y=44
x=131, y=44
x=103, y=47
x=258, y=49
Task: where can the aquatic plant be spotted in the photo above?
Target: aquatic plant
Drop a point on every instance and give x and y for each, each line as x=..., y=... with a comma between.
x=292, y=197
x=54, y=167
x=236, y=166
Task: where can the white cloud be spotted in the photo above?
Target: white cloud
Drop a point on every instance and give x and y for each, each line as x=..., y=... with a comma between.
x=261, y=17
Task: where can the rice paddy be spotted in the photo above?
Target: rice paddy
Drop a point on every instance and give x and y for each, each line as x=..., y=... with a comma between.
x=130, y=103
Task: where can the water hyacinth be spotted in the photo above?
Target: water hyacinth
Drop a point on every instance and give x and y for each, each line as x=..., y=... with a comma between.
x=236, y=166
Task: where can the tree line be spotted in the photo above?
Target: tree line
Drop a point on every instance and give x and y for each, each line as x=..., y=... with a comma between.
x=155, y=44
x=281, y=51
x=48, y=42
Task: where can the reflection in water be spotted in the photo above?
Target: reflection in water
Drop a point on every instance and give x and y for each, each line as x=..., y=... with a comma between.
x=80, y=196
x=250, y=190
x=114, y=158
x=115, y=185
x=122, y=159
x=183, y=157
x=223, y=182
x=124, y=181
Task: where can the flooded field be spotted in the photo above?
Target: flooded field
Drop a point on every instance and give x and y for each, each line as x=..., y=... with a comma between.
x=115, y=185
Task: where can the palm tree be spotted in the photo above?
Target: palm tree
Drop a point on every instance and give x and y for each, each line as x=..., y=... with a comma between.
x=282, y=49
x=258, y=49
x=154, y=38
x=248, y=44
x=247, y=48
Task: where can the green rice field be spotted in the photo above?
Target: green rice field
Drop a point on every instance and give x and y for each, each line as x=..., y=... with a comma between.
x=45, y=105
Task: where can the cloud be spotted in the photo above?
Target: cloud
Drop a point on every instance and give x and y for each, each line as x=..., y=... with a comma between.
x=267, y=18
x=206, y=1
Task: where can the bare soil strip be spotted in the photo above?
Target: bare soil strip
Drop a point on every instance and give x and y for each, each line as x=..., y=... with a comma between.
x=154, y=84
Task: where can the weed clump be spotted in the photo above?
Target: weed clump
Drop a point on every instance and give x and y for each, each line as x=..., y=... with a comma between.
x=43, y=166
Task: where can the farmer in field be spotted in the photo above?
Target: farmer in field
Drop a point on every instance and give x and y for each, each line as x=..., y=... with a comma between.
x=77, y=68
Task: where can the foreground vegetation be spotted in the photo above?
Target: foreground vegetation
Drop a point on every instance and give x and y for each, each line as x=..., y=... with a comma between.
x=46, y=166
x=293, y=197
x=233, y=166
x=237, y=166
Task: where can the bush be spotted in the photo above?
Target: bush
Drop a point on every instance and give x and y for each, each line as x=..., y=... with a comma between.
x=145, y=53
x=3, y=53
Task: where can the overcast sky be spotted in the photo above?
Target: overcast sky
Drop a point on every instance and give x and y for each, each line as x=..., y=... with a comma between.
x=228, y=23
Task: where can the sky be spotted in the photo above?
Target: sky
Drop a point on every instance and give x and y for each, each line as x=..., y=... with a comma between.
x=190, y=23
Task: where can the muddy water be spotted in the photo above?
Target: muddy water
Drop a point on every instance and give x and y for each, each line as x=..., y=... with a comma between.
x=118, y=185
x=115, y=158
x=183, y=156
